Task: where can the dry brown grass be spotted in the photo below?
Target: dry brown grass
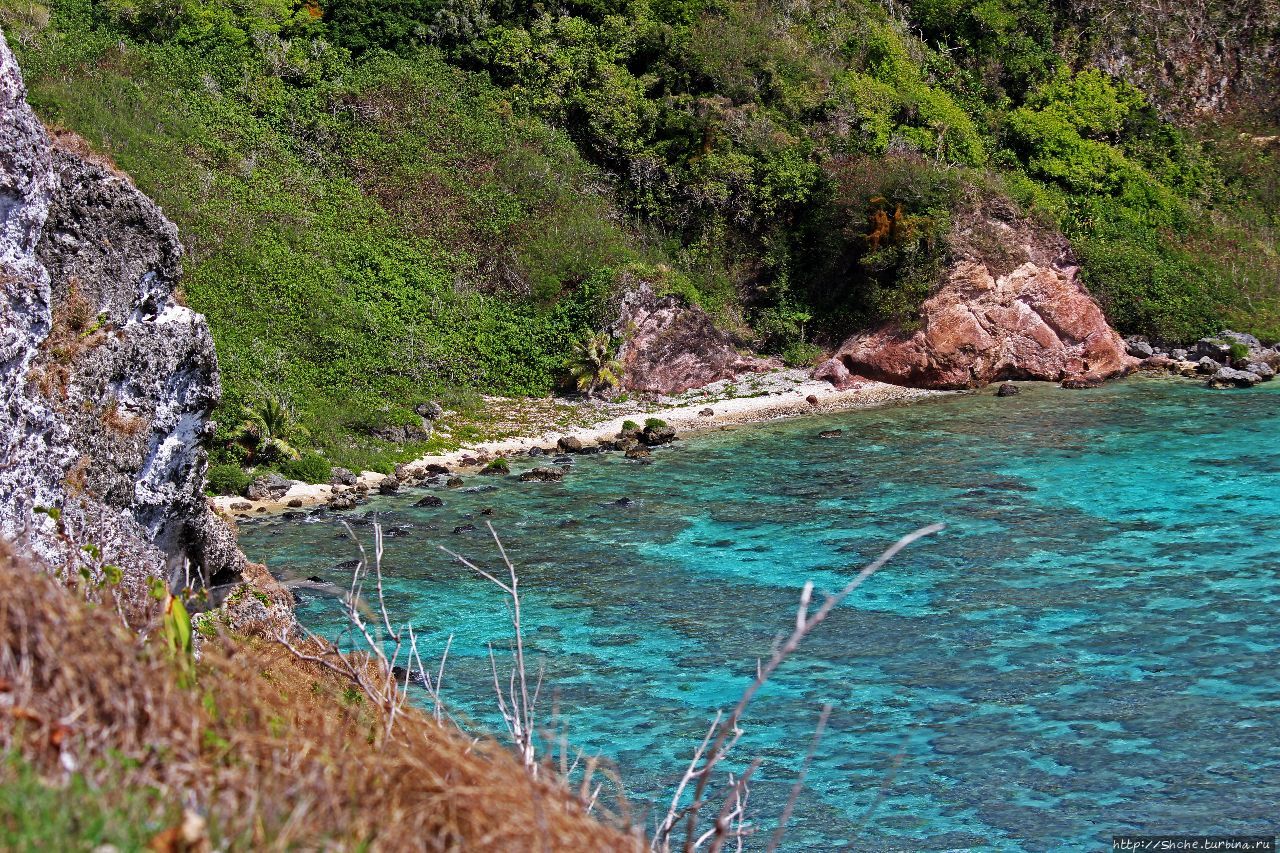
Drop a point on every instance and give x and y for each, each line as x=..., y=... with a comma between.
x=75, y=331
x=275, y=751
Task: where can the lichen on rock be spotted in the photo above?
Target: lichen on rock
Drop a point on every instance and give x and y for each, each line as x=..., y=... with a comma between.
x=108, y=380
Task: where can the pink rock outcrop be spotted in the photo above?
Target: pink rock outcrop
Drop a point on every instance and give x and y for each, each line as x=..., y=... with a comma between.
x=1011, y=307
x=669, y=347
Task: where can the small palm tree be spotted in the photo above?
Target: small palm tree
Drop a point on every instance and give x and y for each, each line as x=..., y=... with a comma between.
x=593, y=363
x=268, y=430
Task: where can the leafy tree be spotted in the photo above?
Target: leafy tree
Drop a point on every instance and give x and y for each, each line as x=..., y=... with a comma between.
x=593, y=363
x=268, y=432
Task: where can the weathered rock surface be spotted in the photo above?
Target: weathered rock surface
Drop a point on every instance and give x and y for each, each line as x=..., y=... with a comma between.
x=108, y=381
x=1138, y=348
x=1007, y=389
x=1022, y=314
x=669, y=347
x=656, y=436
x=542, y=475
x=269, y=487
x=1229, y=377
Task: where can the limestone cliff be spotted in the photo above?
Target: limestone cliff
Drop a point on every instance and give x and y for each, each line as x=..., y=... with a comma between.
x=1010, y=307
x=108, y=380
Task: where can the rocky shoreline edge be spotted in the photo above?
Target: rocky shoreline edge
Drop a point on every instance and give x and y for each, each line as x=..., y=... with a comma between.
x=793, y=394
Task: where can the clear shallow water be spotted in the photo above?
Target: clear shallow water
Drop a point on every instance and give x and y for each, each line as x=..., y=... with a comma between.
x=1090, y=648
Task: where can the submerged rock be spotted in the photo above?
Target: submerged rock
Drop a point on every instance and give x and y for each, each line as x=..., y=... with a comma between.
x=429, y=501
x=831, y=433
x=1020, y=313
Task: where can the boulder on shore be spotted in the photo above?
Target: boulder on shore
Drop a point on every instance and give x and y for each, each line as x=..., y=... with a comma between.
x=269, y=487
x=342, y=477
x=569, y=444
x=1021, y=313
x=669, y=347
x=1138, y=348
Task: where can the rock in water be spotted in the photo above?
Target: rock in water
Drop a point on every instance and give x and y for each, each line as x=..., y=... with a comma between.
x=429, y=501
x=1262, y=371
x=106, y=422
x=831, y=433
x=1016, y=314
x=542, y=475
x=570, y=444
x=1008, y=389
x=656, y=436
x=671, y=347
x=1229, y=377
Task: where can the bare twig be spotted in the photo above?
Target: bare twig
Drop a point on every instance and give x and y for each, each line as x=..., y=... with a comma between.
x=728, y=731
x=798, y=785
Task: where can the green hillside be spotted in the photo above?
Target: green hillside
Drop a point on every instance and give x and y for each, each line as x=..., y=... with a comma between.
x=393, y=201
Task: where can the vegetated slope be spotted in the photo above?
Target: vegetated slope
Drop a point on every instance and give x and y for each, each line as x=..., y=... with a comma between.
x=385, y=201
x=273, y=753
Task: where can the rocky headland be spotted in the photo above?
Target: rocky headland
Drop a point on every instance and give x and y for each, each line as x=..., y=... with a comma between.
x=108, y=380
x=1010, y=306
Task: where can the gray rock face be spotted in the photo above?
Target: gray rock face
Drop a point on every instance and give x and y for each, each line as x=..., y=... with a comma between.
x=108, y=381
x=1229, y=377
x=1208, y=365
x=269, y=487
x=1138, y=348
x=1264, y=372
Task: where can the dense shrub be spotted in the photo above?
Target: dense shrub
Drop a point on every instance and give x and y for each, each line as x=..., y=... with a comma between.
x=309, y=468
x=227, y=479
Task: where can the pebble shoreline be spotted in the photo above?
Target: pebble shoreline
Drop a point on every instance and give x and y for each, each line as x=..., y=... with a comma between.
x=788, y=394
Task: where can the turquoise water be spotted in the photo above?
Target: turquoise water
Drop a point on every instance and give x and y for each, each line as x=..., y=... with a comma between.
x=1089, y=648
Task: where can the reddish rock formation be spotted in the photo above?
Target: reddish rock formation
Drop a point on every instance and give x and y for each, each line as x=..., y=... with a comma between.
x=1011, y=307
x=669, y=347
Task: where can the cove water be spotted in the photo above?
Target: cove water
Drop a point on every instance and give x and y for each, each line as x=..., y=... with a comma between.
x=1089, y=648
